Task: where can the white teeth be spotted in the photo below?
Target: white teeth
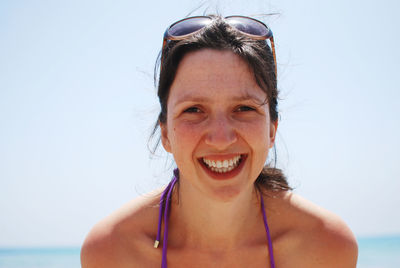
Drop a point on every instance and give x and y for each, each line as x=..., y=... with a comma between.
x=225, y=164
x=222, y=166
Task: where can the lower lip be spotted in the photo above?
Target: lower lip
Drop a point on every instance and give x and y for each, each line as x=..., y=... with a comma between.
x=227, y=175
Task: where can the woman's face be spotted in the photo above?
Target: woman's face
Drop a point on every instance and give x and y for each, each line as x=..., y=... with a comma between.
x=218, y=126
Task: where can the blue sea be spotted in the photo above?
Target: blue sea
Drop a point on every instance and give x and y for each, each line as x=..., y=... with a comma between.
x=376, y=252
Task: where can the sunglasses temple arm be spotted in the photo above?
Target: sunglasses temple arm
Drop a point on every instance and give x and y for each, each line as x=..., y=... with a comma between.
x=274, y=54
x=164, y=43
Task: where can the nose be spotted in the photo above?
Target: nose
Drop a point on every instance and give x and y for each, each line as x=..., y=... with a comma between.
x=221, y=133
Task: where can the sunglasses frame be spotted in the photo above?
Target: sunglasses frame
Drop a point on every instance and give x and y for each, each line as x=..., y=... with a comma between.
x=269, y=35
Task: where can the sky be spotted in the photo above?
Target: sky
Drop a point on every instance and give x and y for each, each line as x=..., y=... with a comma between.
x=77, y=105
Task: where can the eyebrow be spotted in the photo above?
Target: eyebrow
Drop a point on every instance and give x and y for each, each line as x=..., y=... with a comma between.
x=251, y=97
x=243, y=97
x=188, y=98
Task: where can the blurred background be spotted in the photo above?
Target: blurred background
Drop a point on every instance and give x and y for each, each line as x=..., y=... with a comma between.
x=77, y=105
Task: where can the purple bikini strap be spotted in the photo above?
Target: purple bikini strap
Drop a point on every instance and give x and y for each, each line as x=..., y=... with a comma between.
x=168, y=191
x=270, y=250
x=160, y=214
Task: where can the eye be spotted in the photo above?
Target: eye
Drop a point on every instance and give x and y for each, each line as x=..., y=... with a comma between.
x=245, y=109
x=192, y=110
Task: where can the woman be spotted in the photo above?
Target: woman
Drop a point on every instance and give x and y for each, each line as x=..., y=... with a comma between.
x=223, y=208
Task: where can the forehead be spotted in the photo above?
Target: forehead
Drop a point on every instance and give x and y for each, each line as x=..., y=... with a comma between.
x=210, y=73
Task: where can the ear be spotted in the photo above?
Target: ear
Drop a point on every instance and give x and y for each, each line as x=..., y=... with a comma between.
x=164, y=137
x=272, y=132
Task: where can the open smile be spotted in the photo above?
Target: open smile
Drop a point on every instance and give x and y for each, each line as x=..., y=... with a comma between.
x=223, y=168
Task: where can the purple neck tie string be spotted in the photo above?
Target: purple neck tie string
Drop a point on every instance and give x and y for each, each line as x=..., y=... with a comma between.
x=270, y=250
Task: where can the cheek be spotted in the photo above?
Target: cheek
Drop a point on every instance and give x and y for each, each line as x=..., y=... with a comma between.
x=255, y=133
x=257, y=136
x=183, y=137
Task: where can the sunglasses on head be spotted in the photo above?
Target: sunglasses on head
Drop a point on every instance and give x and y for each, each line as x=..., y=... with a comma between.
x=250, y=27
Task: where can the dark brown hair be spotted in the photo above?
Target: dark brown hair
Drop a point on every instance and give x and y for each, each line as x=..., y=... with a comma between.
x=220, y=36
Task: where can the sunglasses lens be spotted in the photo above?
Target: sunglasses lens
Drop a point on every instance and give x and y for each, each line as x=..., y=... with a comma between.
x=188, y=26
x=249, y=26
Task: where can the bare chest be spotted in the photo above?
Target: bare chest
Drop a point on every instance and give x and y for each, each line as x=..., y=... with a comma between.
x=247, y=257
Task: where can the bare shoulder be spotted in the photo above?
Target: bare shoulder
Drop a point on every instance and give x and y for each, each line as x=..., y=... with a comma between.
x=312, y=236
x=124, y=238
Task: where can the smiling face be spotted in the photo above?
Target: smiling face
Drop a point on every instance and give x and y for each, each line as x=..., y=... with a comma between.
x=218, y=126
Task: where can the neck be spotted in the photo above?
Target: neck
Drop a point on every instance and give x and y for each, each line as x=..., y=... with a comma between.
x=198, y=221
